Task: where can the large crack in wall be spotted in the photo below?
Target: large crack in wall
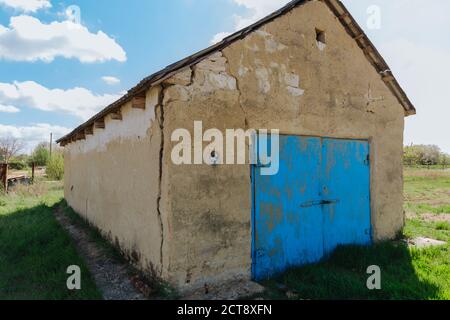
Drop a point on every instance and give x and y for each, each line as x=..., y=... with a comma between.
x=207, y=93
x=160, y=108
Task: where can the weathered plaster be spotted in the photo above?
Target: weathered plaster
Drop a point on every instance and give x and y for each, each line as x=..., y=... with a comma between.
x=193, y=222
x=112, y=179
x=135, y=126
x=300, y=89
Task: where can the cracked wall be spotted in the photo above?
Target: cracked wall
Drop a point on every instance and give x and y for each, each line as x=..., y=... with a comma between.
x=112, y=179
x=276, y=78
x=192, y=223
x=209, y=234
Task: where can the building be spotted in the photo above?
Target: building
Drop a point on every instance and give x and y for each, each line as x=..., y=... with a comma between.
x=307, y=70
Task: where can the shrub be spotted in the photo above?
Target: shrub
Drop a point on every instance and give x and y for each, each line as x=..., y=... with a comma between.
x=55, y=167
x=41, y=155
x=18, y=165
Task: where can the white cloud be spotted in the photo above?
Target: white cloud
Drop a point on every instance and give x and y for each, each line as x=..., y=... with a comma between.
x=34, y=134
x=8, y=109
x=219, y=37
x=77, y=101
x=27, y=5
x=111, y=80
x=28, y=39
x=258, y=10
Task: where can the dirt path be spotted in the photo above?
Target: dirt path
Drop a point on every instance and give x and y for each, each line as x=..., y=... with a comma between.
x=111, y=277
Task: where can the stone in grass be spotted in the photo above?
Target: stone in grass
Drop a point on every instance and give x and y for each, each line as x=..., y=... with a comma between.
x=422, y=242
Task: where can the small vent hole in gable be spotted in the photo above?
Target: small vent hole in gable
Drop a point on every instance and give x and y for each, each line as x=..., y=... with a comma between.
x=321, y=39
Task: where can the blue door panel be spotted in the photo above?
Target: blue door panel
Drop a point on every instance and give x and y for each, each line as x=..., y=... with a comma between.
x=318, y=200
x=346, y=178
x=285, y=232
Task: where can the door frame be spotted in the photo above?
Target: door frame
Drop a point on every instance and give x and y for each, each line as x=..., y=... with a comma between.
x=253, y=189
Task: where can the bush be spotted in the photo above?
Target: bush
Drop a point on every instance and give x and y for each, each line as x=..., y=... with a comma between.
x=41, y=155
x=55, y=167
x=18, y=165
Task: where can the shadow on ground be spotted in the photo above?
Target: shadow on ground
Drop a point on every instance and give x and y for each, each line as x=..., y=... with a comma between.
x=344, y=276
x=35, y=253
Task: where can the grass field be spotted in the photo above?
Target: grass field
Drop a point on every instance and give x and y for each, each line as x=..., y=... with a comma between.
x=34, y=250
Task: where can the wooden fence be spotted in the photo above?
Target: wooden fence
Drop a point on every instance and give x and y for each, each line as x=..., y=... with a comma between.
x=6, y=180
x=4, y=176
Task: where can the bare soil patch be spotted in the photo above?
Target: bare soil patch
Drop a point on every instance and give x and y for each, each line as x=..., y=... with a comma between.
x=429, y=217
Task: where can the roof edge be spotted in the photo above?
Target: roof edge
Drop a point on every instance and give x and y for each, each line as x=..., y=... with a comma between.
x=336, y=6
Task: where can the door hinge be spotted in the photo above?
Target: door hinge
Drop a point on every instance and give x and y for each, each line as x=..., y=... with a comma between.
x=367, y=161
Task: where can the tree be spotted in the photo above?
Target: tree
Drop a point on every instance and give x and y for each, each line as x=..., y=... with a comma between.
x=410, y=156
x=424, y=155
x=445, y=160
x=430, y=155
x=41, y=154
x=421, y=155
x=55, y=167
x=10, y=147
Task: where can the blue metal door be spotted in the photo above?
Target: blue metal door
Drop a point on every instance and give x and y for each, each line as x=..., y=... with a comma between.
x=318, y=200
x=345, y=183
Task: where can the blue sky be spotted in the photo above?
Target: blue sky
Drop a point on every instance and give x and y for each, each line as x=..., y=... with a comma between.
x=53, y=65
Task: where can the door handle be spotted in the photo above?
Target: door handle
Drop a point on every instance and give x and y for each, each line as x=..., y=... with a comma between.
x=318, y=203
x=325, y=202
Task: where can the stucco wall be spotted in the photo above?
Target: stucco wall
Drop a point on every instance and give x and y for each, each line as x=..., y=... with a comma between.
x=193, y=224
x=112, y=179
x=277, y=78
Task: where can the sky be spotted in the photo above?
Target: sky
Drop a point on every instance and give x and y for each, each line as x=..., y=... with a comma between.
x=63, y=61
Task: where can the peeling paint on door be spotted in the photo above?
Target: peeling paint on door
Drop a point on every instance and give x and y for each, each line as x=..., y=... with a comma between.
x=327, y=204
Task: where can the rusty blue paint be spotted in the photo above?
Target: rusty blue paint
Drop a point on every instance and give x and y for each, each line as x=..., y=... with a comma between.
x=319, y=199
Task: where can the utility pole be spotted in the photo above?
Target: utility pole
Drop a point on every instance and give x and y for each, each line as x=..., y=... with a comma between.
x=51, y=143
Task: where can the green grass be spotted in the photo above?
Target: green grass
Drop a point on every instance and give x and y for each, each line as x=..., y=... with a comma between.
x=427, y=208
x=406, y=273
x=34, y=249
x=427, y=185
x=427, y=191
